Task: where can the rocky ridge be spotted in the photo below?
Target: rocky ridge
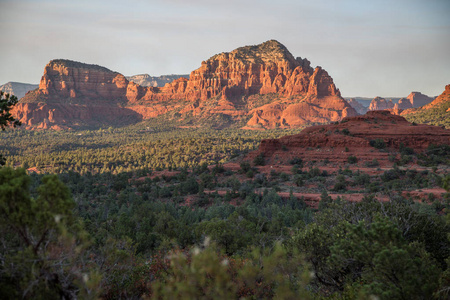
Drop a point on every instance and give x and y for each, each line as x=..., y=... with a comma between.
x=436, y=112
x=351, y=136
x=233, y=84
x=379, y=103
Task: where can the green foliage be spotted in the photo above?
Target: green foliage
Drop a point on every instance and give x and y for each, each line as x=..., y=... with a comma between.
x=245, y=166
x=41, y=241
x=385, y=262
x=129, y=148
x=372, y=164
x=352, y=249
x=296, y=161
x=352, y=159
x=435, y=155
x=325, y=200
x=259, y=160
x=341, y=184
x=378, y=143
x=437, y=115
x=6, y=119
x=207, y=274
x=7, y=102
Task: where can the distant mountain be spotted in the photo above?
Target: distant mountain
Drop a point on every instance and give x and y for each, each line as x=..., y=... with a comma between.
x=155, y=81
x=18, y=89
x=261, y=86
x=364, y=101
x=418, y=99
x=360, y=108
x=436, y=112
x=379, y=103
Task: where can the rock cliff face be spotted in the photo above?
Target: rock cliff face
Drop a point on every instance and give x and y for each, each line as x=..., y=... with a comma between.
x=76, y=82
x=17, y=89
x=379, y=103
x=236, y=84
x=354, y=134
x=360, y=109
x=418, y=99
x=403, y=103
x=154, y=81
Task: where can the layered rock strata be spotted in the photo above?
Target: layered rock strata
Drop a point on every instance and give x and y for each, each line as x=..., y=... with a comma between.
x=232, y=84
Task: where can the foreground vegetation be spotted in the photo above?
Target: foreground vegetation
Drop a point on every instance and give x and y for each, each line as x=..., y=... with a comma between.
x=123, y=236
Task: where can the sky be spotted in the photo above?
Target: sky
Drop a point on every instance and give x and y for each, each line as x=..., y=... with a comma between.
x=369, y=47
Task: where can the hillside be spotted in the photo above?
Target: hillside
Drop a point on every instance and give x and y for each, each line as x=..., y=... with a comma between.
x=260, y=86
x=359, y=136
x=435, y=113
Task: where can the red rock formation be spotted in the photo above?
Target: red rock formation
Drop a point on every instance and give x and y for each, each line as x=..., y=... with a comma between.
x=360, y=109
x=442, y=98
x=418, y=99
x=441, y=101
x=403, y=103
x=67, y=79
x=223, y=84
x=354, y=133
x=379, y=103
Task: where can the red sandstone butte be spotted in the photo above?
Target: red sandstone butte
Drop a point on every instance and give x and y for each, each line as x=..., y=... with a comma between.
x=236, y=83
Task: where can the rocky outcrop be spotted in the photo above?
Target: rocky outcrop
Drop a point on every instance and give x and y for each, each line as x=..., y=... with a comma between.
x=379, y=103
x=354, y=135
x=443, y=98
x=17, y=89
x=436, y=113
x=69, y=81
x=154, y=81
x=418, y=99
x=235, y=84
x=403, y=103
x=360, y=109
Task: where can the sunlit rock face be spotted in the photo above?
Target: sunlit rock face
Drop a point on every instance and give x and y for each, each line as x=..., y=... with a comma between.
x=232, y=84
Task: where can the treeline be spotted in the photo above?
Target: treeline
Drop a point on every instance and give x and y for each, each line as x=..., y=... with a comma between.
x=127, y=149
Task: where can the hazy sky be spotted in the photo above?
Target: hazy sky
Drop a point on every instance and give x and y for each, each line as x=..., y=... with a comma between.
x=369, y=47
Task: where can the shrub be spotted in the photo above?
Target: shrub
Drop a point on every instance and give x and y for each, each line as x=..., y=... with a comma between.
x=378, y=143
x=245, y=166
x=298, y=180
x=296, y=161
x=372, y=164
x=259, y=160
x=352, y=159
